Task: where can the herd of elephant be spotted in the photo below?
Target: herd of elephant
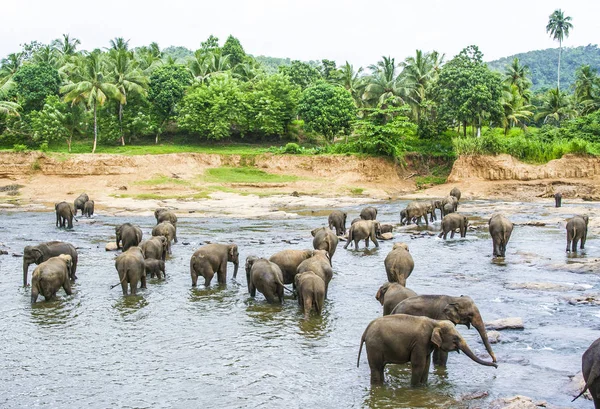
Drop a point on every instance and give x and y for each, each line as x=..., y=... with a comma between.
x=413, y=327
x=66, y=213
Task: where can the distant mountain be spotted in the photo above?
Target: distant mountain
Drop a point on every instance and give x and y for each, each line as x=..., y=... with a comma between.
x=179, y=54
x=543, y=64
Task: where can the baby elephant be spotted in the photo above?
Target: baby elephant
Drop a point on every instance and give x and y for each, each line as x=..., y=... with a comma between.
x=590, y=366
x=576, y=230
x=391, y=294
x=50, y=275
x=311, y=292
x=266, y=277
x=154, y=268
x=452, y=222
x=88, y=208
x=557, y=200
x=398, y=339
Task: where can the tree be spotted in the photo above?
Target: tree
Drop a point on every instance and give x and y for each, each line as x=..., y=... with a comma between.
x=234, y=50
x=558, y=26
x=384, y=85
x=327, y=109
x=9, y=108
x=66, y=47
x=418, y=73
x=353, y=82
x=517, y=75
x=8, y=67
x=119, y=44
x=206, y=65
x=516, y=108
x=34, y=82
x=210, y=45
x=555, y=108
x=88, y=83
x=52, y=122
x=148, y=58
x=301, y=74
x=587, y=89
x=166, y=89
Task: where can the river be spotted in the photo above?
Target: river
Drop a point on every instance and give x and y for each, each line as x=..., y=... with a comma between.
x=178, y=347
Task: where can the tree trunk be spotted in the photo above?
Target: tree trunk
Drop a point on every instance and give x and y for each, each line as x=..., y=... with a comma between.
x=121, y=123
x=479, y=127
x=465, y=129
x=69, y=142
x=95, y=129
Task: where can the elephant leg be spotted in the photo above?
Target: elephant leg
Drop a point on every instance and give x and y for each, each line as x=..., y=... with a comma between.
x=194, y=275
x=440, y=358
x=252, y=289
x=222, y=274
x=583, y=238
x=425, y=376
x=419, y=368
x=574, y=245
x=67, y=288
x=143, y=280
x=452, y=234
x=308, y=303
x=124, y=286
x=375, y=241
x=376, y=374
x=208, y=276
x=568, y=242
x=367, y=242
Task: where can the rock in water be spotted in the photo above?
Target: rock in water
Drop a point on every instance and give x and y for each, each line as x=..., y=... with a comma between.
x=521, y=402
x=386, y=236
x=111, y=246
x=505, y=323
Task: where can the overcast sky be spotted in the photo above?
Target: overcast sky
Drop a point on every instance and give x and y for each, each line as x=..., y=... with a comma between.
x=357, y=31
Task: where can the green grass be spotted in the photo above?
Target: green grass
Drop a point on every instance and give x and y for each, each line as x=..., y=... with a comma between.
x=428, y=181
x=244, y=175
x=162, y=180
x=357, y=191
x=157, y=196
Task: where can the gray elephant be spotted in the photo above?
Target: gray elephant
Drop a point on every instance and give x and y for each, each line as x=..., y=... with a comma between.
x=127, y=235
x=448, y=208
x=212, y=258
x=132, y=269
x=311, y=292
x=44, y=251
x=49, y=276
x=155, y=247
x=167, y=230
x=590, y=366
x=459, y=310
x=500, y=229
x=452, y=222
x=404, y=217
x=398, y=339
x=337, y=221
x=357, y=219
x=368, y=213
x=64, y=214
x=387, y=228
x=557, y=200
x=577, y=227
x=399, y=264
x=456, y=193
x=319, y=264
x=289, y=260
x=79, y=203
x=449, y=200
x=88, y=208
x=266, y=277
x=435, y=204
x=325, y=239
x=416, y=210
x=391, y=294
x=155, y=267
x=165, y=215
x=364, y=230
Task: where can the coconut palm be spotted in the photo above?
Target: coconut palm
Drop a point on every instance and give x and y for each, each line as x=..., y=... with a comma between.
x=8, y=67
x=558, y=26
x=384, y=85
x=516, y=108
x=418, y=73
x=66, y=46
x=148, y=58
x=9, y=108
x=119, y=44
x=353, y=82
x=517, y=75
x=205, y=65
x=555, y=108
x=46, y=55
x=88, y=83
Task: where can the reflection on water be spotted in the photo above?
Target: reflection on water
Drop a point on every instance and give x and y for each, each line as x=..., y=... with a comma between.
x=218, y=346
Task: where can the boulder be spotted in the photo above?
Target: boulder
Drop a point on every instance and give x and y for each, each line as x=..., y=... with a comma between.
x=386, y=236
x=576, y=386
x=111, y=246
x=546, y=287
x=493, y=337
x=505, y=323
x=521, y=402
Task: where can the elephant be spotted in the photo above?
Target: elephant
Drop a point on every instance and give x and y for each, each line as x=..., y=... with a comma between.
x=404, y=217
x=449, y=200
x=590, y=366
x=88, y=208
x=167, y=230
x=311, y=292
x=386, y=228
x=456, y=193
x=79, y=203
x=399, y=264
x=500, y=229
x=337, y=220
x=452, y=222
x=435, y=204
x=289, y=260
x=357, y=219
x=131, y=268
x=368, y=213
x=155, y=247
x=319, y=264
x=64, y=214
x=128, y=235
x=398, y=339
x=212, y=258
x=49, y=276
x=163, y=215
x=416, y=210
x=325, y=239
x=266, y=277
x=458, y=310
x=154, y=267
x=577, y=227
x=557, y=200
x=44, y=251
x=391, y=294
x=448, y=208
x=364, y=230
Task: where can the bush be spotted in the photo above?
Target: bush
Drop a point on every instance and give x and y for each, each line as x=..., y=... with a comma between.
x=293, y=148
x=20, y=148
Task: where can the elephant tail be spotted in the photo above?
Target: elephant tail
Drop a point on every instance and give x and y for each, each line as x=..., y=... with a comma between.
x=120, y=281
x=362, y=341
x=592, y=377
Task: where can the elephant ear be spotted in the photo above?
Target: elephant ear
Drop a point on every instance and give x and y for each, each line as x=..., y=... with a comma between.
x=38, y=255
x=451, y=312
x=436, y=337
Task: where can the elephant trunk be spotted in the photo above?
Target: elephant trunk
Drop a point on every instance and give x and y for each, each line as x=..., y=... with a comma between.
x=478, y=324
x=467, y=351
x=25, y=268
x=236, y=264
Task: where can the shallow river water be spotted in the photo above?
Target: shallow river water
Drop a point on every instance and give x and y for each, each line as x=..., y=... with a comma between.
x=174, y=346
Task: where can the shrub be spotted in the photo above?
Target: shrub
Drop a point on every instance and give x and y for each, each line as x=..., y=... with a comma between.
x=292, y=148
x=20, y=148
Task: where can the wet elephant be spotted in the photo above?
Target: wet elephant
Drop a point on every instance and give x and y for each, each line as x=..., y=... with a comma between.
x=44, y=251
x=398, y=339
x=311, y=292
x=456, y=193
x=132, y=269
x=364, y=230
x=167, y=230
x=337, y=221
x=154, y=267
x=399, y=264
x=127, y=235
x=212, y=259
x=289, y=260
x=325, y=239
x=88, y=208
x=557, y=200
x=435, y=204
x=165, y=215
x=459, y=310
x=319, y=264
x=452, y=222
x=500, y=229
x=447, y=202
x=266, y=277
x=368, y=213
x=590, y=367
x=155, y=247
x=79, y=203
x=391, y=294
x=577, y=228
x=64, y=215
x=416, y=210
x=50, y=276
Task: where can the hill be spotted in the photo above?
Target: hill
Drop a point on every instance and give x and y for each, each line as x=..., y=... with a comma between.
x=543, y=64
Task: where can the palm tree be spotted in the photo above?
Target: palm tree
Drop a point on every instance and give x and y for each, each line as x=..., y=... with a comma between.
x=148, y=58
x=8, y=67
x=353, y=82
x=89, y=84
x=119, y=44
x=517, y=75
x=9, y=108
x=418, y=73
x=205, y=65
x=46, y=55
x=556, y=107
x=66, y=46
x=127, y=77
x=558, y=26
x=516, y=108
x=384, y=85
